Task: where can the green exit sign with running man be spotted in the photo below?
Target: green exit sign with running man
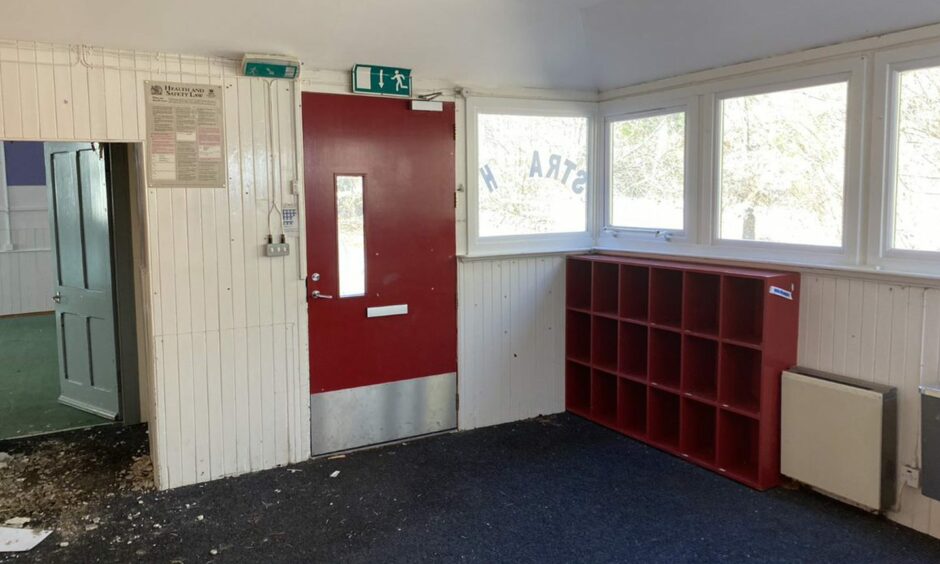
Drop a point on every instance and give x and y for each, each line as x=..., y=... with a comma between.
x=389, y=81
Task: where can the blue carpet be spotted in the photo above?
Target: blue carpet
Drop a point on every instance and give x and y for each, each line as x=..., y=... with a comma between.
x=556, y=489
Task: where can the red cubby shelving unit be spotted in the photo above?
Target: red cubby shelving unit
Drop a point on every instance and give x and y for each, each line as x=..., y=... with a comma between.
x=684, y=356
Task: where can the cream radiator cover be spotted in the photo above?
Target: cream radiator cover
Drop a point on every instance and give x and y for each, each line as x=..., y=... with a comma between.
x=838, y=435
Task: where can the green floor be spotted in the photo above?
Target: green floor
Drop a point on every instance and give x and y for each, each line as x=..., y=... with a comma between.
x=29, y=380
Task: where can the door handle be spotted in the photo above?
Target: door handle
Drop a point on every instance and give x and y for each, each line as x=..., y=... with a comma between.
x=318, y=296
x=57, y=298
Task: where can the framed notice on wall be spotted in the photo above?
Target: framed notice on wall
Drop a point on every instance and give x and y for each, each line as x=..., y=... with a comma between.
x=185, y=136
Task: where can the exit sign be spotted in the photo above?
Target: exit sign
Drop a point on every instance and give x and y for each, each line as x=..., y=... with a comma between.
x=390, y=81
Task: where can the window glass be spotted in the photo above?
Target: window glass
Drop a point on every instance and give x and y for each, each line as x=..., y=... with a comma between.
x=782, y=167
x=533, y=174
x=917, y=180
x=351, y=238
x=647, y=172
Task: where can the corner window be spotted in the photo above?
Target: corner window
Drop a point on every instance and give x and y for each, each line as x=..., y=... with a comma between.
x=916, y=178
x=531, y=177
x=647, y=171
x=782, y=166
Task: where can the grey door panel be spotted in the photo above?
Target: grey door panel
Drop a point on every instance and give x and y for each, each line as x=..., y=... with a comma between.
x=88, y=370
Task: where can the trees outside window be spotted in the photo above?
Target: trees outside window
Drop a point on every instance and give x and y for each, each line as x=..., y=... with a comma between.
x=782, y=166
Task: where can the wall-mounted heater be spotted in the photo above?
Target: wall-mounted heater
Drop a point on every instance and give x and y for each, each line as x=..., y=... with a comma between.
x=930, y=441
x=839, y=436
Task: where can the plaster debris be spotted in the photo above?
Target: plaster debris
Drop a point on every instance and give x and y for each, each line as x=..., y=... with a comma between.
x=17, y=521
x=64, y=482
x=13, y=539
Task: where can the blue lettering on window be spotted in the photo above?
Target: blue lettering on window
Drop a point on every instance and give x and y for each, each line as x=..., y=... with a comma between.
x=488, y=178
x=579, y=180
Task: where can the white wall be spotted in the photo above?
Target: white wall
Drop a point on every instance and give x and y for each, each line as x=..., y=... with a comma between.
x=882, y=332
x=511, y=339
x=873, y=329
x=25, y=282
x=226, y=325
x=26, y=272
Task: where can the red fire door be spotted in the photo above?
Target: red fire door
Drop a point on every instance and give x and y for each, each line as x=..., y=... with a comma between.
x=381, y=269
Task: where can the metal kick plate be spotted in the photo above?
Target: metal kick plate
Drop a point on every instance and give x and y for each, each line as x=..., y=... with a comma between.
x=369, y=415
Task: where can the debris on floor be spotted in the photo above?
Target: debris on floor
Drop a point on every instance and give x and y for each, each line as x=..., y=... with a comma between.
x=64, y=481
x=15, y=539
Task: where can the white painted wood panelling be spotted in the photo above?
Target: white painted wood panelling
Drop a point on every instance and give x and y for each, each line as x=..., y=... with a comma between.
x=26, y=274
x=25, y=282
x=226, y=325
x=511, y=339
x=886, y=333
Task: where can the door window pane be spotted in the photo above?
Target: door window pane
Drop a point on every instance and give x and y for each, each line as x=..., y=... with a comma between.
x=783, y=166
x=533, y=174
x=351, y=236
x=917, y=180
x=647, y=172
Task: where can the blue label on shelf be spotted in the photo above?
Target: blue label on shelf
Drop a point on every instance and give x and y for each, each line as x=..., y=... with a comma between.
x=781, y=292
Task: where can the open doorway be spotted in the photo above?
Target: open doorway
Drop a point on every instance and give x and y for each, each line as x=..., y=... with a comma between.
x=68, y=345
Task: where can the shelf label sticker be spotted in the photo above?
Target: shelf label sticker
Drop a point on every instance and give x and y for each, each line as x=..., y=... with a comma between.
x=776, y=291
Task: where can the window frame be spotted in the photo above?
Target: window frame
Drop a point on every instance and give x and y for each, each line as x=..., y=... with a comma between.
x=650, y=106
x=852, y=71
x=882, y=255
x=534, y=243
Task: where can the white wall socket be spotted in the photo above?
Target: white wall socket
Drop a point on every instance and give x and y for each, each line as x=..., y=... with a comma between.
x=911, y=476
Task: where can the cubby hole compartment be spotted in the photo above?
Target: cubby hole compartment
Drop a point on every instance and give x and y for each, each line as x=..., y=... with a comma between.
x=578, y=336
x=740, y=378
x=665, y=358
x=700, y=367
x=577, y=388
x=738, y=439
x=604, y=344
x=605, y=288
x=666, y=297
x=701, y=302
x=698, y=430
x=578, y=284
x=742, y=305
x=631, y=409
x=604, y=398
x=634, y=292
x=664, y=418
x=633, y=349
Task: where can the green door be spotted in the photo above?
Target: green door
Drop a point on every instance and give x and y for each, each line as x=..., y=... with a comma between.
x=84, y=304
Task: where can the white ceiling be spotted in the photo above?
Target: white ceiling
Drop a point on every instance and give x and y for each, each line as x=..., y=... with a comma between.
x=576, y=44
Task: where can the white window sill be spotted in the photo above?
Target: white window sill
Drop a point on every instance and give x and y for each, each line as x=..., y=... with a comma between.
x=925, y=279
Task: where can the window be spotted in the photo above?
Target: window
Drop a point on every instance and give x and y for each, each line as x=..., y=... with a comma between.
x=351, y=240
x=531, y=180
x=647, y=171
x=782, y=166
x=916, y=180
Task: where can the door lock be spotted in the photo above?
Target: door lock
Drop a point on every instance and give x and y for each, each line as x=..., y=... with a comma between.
x=318, y=296
x=315, y=277
x=57, y=298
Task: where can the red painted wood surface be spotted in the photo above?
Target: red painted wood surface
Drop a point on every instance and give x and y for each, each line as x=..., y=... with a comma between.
x=684, y=356
x=407, y=158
